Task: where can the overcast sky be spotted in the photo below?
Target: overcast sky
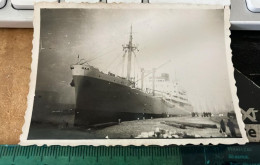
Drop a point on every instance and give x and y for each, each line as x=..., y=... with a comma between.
x=192, y=39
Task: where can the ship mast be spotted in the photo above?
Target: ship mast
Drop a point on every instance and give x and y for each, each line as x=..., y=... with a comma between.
x=130, y=48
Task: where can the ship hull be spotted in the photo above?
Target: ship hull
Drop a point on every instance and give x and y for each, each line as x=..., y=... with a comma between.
x=100, y=101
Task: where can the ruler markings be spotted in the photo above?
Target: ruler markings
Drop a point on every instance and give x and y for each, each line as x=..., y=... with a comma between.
x=84, y=152
x=63, y=151
x=108, y=151
x=41, y=155
x=77, y=151
x=103, y=150
x=5, y=153
x=1, y=153
x=87, y=151
x=56, y=152
x=8, y=151
x=161, y=152
x=74, y=152
x=97, y=154
x=49, y=151
x=117, y=148
x=91, y=151
x=37, y=151
x=114, y=153
x=118, y=151
x=29, y=152
x=95, y=151
x=166, y=152
x=14, y=155
x=34, y=151
x=24, y=151
x=45, y=154
x=68, y=153
x=59, y=151
x=52, y=150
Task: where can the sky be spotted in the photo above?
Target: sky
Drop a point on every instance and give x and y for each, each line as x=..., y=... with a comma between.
x=191, y=39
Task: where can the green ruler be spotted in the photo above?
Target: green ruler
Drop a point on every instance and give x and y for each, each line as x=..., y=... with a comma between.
x=174, y=155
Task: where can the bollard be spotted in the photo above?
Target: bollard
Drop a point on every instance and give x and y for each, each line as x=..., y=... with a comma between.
x=119, y=121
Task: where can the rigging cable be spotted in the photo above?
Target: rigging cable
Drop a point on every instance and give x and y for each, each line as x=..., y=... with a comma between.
x=112, y=62
x=94, y=58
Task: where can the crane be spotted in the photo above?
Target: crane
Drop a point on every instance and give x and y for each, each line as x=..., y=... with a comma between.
x=151, y=72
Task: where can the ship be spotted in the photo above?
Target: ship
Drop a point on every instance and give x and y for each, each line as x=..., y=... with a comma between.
x=106, y=97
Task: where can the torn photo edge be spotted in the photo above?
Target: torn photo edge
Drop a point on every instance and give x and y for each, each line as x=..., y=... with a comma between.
x=125, y=142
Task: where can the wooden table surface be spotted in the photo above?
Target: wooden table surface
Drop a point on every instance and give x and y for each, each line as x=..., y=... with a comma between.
x=15, y=61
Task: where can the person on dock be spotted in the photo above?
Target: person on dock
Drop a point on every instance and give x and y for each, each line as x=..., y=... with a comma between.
x=222, y=127
x=231, y=127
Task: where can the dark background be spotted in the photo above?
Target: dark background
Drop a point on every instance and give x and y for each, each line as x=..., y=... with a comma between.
x=245, y=47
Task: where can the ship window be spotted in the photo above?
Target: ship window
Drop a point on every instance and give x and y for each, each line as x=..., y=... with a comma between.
x=87, y=68
x=72, y=67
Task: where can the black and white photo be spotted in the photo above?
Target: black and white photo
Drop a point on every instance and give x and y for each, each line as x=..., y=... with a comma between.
x=125, y=74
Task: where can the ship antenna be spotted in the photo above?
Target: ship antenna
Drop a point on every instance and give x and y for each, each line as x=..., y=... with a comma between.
x=130, y=48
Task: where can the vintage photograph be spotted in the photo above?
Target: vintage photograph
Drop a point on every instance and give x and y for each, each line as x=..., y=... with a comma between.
x=121, y=74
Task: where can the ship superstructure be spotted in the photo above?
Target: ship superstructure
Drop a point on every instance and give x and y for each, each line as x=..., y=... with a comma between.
x=106, y=97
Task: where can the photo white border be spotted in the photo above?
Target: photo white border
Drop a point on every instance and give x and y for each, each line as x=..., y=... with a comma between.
x=126, y=142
